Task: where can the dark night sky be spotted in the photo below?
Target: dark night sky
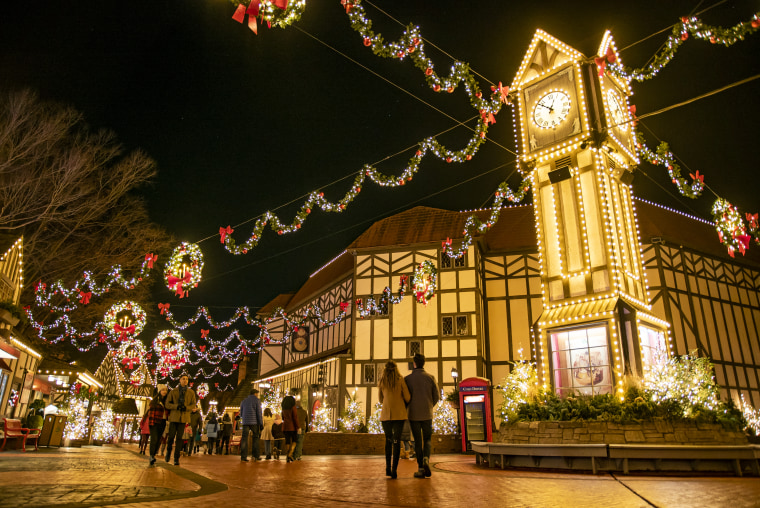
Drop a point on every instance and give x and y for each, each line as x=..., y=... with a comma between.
x=240, y=123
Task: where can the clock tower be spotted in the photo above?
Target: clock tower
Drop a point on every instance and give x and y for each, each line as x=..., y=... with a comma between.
x=576, y=141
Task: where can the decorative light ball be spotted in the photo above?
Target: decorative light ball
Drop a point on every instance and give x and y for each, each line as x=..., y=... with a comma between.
x=183, y=270
x=124, y=320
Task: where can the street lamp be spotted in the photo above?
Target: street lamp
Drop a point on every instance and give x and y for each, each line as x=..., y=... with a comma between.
x=455, y=375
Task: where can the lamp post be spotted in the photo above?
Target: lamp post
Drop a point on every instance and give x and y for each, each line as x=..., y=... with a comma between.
x=455, y=375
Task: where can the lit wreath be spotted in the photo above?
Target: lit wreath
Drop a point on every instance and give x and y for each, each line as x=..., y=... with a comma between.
x=181, y=276
x=137, y=377
x=202, y=390
x=172, y=353
x=424, y=282
x=123, y=329
x=131, y=353
x=730, y=226
x=269, y=12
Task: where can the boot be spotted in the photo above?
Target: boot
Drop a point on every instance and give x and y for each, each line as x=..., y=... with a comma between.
x=291, y=449
x=396, y=456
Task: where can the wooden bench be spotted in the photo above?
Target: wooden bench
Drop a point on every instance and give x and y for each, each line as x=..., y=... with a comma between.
x=12, y=429
x=491, y=452
x=694, y=454
x=235, y=441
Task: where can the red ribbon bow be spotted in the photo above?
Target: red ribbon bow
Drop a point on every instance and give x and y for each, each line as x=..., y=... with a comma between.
x=632, y=110
x=234, y=366
x=696, y=176
x=202, y=348
x=503, y=92
x=446, y=243
x=743, y=242
x=176, y=283
x=252, y=11
x=601, y=62
x=130, y=362
x=163, y=307
x=216, y=385
x=343, y=307
x=348, y=4
x=84, y=298
x=204, y=333
x=151, y=258
x=123, y=331
x=223, y=232
x=752, y=219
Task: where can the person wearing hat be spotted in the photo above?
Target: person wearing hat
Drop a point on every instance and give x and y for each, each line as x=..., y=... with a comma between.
x=180, y=402
x=253, y=422
x=157, y=419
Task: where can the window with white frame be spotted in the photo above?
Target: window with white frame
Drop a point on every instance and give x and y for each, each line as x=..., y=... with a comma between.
x=581, y=361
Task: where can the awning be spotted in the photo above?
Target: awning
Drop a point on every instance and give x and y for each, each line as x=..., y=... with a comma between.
x=578, y=312
x=8, y=351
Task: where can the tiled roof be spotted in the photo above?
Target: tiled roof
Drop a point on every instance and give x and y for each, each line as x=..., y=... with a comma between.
x=280, y=300
x=337, y=269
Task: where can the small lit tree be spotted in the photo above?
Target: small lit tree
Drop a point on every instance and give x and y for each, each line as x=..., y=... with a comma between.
x=322, y=420
x=444, y=417
x=517, y=388
x=374, y=426
x=272, y=399
x=103, y=428
x=352, y=418
x=687, y=380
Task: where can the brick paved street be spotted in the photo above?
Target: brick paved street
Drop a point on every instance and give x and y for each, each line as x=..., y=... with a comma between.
x=114, y=476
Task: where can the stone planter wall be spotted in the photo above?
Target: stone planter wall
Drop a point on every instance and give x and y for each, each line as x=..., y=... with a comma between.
x=339, y=443
x=655, y=432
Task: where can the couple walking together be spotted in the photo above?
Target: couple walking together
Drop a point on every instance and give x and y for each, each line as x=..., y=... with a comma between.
x=409, y=398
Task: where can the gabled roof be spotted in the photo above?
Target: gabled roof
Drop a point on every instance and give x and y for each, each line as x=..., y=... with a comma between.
x=280, y=300
x=338, y=268
x=544, y=54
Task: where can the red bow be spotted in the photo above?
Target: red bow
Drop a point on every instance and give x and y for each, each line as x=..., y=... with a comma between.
x=202, y=348
x=123, y=331
x=601, y=62
x=348, y=4
x=176, y=283
x=163, y=307
x=244, y=350
x=632, y=110
x=752, y=219
x=216, y=385
x=204, y=333
x=151, y=258
x=234, y=366
x=252, y=11
x=223, y=232
x=696, y=176
x=503, y=92
x=743, y=242
x=84, y=298
x=446, y=243
x=343, y=307
x=130, y=362
x=282, y=4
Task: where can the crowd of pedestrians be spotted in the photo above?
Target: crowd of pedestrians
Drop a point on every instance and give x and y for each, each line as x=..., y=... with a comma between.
x=173, y=423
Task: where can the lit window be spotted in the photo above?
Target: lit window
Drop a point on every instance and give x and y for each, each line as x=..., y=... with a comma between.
x=653, y=350
x=580, y=361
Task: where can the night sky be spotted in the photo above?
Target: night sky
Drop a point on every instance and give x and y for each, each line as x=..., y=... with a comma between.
x=240, y=123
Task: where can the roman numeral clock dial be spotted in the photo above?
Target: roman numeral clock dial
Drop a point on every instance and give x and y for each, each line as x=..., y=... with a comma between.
x=551, y=109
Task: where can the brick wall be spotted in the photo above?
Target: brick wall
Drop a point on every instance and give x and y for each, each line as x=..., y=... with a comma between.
x=657, y=432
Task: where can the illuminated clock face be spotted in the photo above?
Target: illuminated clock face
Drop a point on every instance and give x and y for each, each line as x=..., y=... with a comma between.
x=551, y=109
x=618, y=117
x=299, y=342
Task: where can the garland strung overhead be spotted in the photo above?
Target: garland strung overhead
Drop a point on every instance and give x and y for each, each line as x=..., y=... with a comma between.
x=410, y=44
x=664, y=157
x=86, y=287
x=686, y=27
x=275, y=12
x=373, y=307
x=172, y=352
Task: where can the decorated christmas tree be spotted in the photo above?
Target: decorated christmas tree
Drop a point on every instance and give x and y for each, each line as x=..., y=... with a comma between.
x=352, y=418
x=272, y=399
x=322, y=421
x=103, y=428
x=444, y=417
x=76, y=419
x=374, y=426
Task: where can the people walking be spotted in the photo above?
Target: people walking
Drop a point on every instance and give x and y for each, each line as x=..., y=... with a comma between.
x=253, y=422
x=290, y=425
x=144, y=433
x=278, y=436
x=157, y=419
x=393, y=394
x=212, y=429
x=266, y=433
x=424, y=391
x=180, y=402
x=224, y=443
x=303, y=424
x=407, y=452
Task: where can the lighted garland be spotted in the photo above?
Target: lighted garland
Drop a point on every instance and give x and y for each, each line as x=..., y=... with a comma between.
x=410, y=44
x=730, y=226
x=85, y=288
x=424, y=282
x=121, y=329
x=200, y=374
x=275, y=12
x=172, y=353
x=753, y=228
x=664, y=157
x=372, y=307
x=181, y=276
x=685, y=28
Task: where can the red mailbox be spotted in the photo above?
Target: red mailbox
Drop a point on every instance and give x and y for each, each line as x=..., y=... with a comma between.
x=475, y=411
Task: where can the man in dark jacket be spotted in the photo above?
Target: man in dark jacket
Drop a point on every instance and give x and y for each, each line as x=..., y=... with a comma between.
x=253, y=422
x=424, y=391
x=180, y=402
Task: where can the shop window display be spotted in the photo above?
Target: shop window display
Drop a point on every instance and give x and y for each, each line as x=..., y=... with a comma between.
x=581, y=361
x=653, y=349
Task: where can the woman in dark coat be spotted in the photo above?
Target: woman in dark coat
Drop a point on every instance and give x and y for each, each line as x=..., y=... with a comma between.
x=157, y=414
x=290, y=425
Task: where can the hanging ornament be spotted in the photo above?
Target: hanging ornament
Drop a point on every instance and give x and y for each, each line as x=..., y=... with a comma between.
x=202, y=390
x=124, y=320
x=424, y=282
x=172, y=352
x=183, y=270
x=730, y=226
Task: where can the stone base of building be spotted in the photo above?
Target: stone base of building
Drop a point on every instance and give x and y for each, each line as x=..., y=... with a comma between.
x=585, y=432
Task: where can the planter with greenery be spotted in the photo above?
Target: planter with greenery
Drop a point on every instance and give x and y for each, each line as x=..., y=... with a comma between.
x=675, y=402
x=10, y=312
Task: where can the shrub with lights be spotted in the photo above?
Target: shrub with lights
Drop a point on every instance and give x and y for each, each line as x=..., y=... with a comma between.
x=103, y=429
x=322, y=420
x=352, y=417
x=374, y=426
x=517, y=388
